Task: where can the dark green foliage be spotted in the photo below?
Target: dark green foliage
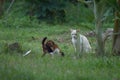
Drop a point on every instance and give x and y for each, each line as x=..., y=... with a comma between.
x=50, y=10
x=114, y=4
x=75, y=2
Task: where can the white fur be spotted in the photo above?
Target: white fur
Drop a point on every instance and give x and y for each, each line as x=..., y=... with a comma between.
x=80, y=42
x=55, y=51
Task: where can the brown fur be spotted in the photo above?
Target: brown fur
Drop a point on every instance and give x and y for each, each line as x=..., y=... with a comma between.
x=49, y=47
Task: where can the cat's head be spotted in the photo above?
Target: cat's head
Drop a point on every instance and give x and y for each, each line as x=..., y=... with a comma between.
x=73, y=33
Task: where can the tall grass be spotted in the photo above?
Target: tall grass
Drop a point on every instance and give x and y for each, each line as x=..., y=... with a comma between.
x=13, y=66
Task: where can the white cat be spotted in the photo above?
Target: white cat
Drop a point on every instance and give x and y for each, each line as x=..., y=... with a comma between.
x=80, y=42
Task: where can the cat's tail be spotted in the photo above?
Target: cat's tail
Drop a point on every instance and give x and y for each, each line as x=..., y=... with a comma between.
x=43, y=41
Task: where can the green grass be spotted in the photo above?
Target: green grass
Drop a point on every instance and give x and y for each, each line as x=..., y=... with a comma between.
x=13, y=66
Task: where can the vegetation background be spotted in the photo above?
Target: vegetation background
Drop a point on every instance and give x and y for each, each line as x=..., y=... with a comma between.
x=27, y=22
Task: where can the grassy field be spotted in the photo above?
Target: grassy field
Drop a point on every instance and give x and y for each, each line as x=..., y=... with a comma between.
x=13, y=66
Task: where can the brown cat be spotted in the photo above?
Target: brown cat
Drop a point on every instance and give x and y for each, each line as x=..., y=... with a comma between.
x=50, y=47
